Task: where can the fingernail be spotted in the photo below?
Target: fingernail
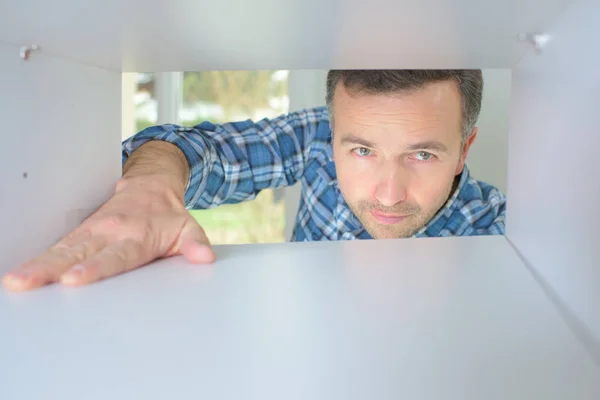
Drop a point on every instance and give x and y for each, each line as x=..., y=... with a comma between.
x=76, y=270
x=73, y=275
x=17, y=275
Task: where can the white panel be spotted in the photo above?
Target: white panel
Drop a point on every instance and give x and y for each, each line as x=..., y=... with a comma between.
x=445, y=318
x=155, y=35
x=60, y=152
x=554, y=185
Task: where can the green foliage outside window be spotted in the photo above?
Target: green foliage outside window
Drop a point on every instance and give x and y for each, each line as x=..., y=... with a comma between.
x=237, y=95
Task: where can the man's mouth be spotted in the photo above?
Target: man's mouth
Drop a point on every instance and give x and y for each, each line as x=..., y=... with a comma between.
x=388, y=219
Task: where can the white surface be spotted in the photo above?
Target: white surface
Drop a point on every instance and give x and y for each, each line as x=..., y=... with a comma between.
x=61, y=125
x=448, y=318
x=154, y=35
x=554, y=186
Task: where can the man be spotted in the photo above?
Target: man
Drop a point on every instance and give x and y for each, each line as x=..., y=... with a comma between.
x=384, y=159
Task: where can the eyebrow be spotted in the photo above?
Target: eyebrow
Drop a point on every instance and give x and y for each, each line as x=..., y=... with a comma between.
x=425, y=145
x=352, y=139
x=428, y=145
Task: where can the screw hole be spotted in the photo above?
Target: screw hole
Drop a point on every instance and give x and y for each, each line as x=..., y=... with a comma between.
x=26, y=51
x=25, y=175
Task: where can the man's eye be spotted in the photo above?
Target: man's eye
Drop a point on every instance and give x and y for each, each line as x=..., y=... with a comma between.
x=424, y=156
x=362, y=151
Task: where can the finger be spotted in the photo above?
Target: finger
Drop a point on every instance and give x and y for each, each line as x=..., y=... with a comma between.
x=113, y=260
x=195, y=246
x=49, y=266
x=198, y=253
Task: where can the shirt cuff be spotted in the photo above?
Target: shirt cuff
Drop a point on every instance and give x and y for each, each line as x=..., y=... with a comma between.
x=178, y=136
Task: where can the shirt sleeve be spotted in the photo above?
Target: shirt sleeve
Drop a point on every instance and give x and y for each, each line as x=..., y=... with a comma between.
x=233, y=162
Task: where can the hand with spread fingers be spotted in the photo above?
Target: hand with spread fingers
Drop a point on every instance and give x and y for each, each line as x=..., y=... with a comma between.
x=144, y=220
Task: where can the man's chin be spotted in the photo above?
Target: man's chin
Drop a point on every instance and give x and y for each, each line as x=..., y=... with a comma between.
x=390, y=235
x=390, y=231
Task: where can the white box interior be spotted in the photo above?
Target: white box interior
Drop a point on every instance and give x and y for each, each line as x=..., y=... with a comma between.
x=60, y=156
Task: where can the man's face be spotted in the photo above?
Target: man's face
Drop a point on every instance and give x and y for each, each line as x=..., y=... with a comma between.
x=397, y=155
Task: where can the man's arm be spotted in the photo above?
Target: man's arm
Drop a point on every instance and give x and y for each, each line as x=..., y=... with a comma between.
x=157, y=158
x=233, y=162
x=146, y=218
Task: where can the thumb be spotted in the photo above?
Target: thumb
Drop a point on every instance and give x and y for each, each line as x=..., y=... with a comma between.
x=195, y=246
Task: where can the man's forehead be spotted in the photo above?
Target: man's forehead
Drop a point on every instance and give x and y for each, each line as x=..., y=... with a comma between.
x=433, y=107
x=354, y=92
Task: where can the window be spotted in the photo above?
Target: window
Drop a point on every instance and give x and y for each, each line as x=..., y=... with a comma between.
x=146, y=105
x=218, y=97
x=224, y=96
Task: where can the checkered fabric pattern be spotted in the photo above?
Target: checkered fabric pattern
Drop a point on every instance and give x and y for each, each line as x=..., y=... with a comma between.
x=233, y=162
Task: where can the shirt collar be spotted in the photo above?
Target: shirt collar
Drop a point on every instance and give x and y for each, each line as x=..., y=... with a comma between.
x=439, y=221
x=434, y=227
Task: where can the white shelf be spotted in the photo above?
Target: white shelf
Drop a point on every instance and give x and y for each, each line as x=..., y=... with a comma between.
x=445, y=318
x=154, y=35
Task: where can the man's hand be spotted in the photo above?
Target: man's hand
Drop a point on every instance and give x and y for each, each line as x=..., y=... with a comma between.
x=142, y=222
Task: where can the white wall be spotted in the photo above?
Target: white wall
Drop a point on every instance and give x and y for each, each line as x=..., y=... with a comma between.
x=488, y=156
x=553, y=215
x=60, y=152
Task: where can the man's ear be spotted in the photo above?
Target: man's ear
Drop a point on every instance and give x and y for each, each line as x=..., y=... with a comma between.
x=465, y=150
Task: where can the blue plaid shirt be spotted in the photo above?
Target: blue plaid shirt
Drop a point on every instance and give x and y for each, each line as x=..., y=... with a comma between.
x=233, y=162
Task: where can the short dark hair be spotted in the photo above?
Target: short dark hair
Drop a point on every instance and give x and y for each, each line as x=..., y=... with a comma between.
x=469, y=81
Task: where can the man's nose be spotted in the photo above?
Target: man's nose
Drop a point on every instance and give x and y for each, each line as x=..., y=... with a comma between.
x=391, y=188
